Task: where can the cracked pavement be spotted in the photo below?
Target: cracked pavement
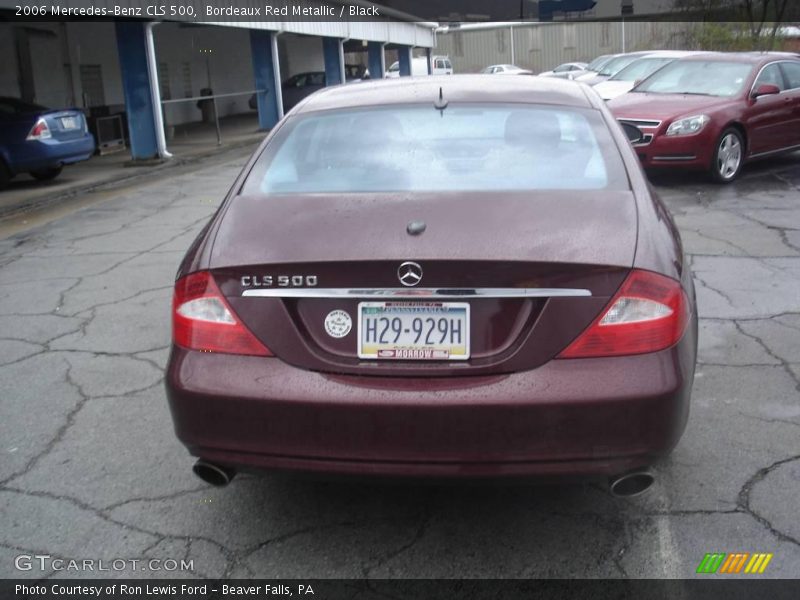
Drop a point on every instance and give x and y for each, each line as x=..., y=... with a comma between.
x=90, y=467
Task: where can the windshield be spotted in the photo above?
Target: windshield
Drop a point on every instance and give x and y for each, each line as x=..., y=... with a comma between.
x=598, y=63
x=613, y=66
x=419, y=148
x=395, y=67
x=711, y=78
x=641, y=69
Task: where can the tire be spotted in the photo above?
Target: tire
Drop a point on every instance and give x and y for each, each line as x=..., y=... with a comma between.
x=47, y=174
x=728, y=158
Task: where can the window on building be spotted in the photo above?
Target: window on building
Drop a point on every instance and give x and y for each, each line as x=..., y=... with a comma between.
x=605, y=35
x=569, y=36
x=535, y=38
x=163, y=81
x=186, y=72
x=501, y=35
x=92, y=87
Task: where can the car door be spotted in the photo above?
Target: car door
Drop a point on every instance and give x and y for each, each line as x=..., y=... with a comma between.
x=768, y=116
x=791, y=73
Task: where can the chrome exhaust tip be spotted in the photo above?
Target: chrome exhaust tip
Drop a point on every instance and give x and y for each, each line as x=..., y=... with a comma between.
x=630, y=484
x=215, y=475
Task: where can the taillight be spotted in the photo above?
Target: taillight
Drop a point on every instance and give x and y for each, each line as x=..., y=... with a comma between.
x=202, y=319
x=649, y=313
x=40, y=131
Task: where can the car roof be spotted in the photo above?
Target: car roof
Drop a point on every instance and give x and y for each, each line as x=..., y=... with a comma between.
x=455, y=88
x=742, y=57
x=670, y=54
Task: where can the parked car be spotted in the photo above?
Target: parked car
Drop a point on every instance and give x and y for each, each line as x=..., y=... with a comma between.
x=638, y=70
x=715, y=111
x=427, y=303
x=298, y=86
x=610, y=68
x=566, y=71
x=39, y=140
x=440, y=65
x=597, y=64
x=505, y=70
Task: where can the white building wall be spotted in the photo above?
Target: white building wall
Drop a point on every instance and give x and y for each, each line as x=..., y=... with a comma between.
x=96, y=44
x=303, y=53
x=223, y=51
x=217, y=57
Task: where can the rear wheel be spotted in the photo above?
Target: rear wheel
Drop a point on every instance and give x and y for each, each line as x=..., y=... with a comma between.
x=728, y=156
x=46, y=174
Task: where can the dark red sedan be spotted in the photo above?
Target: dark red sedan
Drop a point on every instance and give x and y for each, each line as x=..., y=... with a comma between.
x=443, y=277
x=716, y=111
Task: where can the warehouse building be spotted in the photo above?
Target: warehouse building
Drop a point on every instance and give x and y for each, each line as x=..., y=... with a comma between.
x=140, y=79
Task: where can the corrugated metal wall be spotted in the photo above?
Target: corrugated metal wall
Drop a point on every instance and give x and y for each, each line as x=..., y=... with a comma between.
x=542, y=46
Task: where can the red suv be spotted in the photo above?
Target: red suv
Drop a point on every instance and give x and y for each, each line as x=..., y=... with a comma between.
x=715, y=111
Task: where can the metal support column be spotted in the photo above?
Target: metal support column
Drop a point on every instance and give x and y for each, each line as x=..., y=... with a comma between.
x=334, y=60
x=132, y=48
x=376, y=60
x=265, y=78
x=404, y=58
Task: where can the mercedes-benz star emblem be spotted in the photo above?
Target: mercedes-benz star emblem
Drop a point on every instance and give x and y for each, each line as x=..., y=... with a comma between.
x=409, y=274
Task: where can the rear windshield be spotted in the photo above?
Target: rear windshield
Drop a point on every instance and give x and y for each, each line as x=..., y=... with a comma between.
x=615, y=65
x=709, y=78
x=420, y=148
x=598, y=62
x=639, y=69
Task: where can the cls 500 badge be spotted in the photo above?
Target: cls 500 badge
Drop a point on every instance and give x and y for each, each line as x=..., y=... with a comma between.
x=279, y=281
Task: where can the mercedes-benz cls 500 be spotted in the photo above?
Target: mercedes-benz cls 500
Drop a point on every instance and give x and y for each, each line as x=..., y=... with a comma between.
x=443, y=277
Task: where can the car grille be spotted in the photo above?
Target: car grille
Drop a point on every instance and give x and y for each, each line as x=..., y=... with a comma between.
x=643, y=124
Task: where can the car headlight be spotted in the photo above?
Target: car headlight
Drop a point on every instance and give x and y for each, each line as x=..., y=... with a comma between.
x=688, y=125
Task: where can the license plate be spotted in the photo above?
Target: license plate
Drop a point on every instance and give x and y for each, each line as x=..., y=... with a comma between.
x=69, y=122
x=413, y=330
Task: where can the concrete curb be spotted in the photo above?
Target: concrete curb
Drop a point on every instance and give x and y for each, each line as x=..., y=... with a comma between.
x=135, y=172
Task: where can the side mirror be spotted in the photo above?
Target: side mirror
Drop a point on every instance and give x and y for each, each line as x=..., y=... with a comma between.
x=765, y=89
x=634, y=134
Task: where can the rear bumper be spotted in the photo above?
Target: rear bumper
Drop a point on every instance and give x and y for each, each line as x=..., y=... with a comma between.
x=568, y=417
x=45, y=154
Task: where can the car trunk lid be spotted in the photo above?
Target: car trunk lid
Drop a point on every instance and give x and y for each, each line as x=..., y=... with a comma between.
x=547, y=263
x=65, y=125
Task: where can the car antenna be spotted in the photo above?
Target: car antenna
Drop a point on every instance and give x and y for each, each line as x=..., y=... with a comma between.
x=441, y=103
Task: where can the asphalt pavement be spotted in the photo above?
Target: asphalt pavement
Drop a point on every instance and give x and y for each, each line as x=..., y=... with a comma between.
x=90, y=467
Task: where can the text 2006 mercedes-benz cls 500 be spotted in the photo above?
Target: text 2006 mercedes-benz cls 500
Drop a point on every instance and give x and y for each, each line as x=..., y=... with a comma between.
x=443, y=277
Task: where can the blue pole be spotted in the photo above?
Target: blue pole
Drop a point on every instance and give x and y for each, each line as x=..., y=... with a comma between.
x=131, y=45
x=375, y=60
x=264, y=77
x=404, y=58
x=333, y=61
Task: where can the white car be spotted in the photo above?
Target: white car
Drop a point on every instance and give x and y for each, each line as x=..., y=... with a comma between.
x=506, y=70
x=640, y=69
x=566, y=71
x=612, y=67
x=441, y=65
